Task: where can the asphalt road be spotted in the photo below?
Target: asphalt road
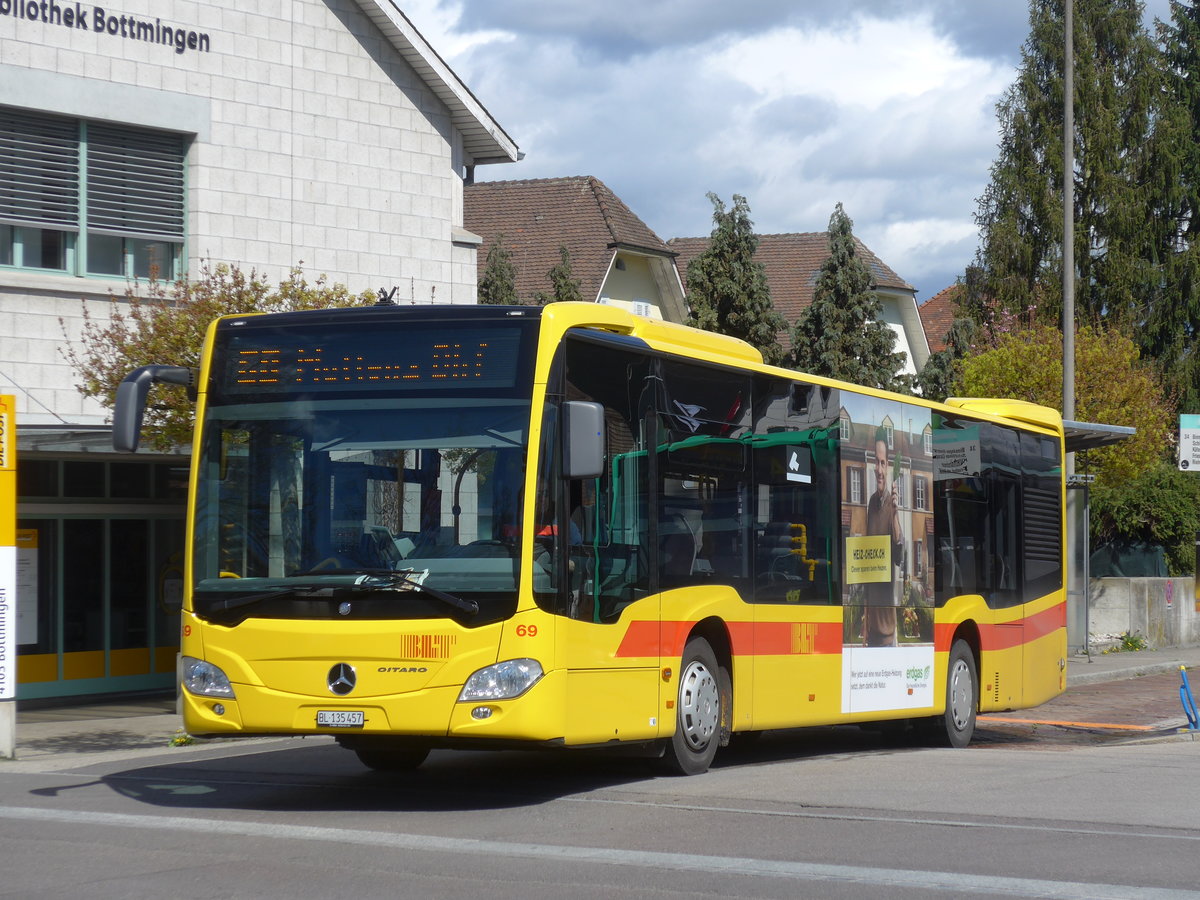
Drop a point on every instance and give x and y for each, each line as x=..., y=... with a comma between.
x=820, y=813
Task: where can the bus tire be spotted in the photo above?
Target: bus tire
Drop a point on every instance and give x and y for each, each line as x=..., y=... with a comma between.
x=399, y=759
x=698, y=712
x=962, y=696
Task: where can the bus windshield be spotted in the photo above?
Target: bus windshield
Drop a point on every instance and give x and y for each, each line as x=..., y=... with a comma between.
x=296, y=496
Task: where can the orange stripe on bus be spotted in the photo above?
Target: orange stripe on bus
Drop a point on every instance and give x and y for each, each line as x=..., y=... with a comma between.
x=667, y=639
x=1007, y=635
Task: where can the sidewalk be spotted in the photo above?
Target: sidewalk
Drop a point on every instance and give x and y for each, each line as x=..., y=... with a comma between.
x=60, y=737
x=1101, y=667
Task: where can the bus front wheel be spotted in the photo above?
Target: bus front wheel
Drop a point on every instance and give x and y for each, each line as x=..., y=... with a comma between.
x=962, y=696
x=395, y=759
x=697, y=712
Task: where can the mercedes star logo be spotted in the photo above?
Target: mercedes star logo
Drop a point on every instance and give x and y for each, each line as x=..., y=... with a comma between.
x=342, y=679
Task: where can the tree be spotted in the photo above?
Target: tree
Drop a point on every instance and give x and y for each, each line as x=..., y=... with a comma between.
x=498, y=286
x=727, y=288
x=939, y=377
x=167, y=325
x=563, y=285
x=1160, y=507
x=1172, y=329
x=1119, y=228
x=840, y=335
x=1113, y=385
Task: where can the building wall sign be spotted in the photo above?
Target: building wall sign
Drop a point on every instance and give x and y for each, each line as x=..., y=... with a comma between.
x=99, y=20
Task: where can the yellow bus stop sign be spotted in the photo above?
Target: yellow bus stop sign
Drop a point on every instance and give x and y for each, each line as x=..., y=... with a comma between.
x=8, y=575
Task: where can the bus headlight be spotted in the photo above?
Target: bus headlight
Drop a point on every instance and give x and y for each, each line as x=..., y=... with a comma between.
x=502, y=681
x=205, y=679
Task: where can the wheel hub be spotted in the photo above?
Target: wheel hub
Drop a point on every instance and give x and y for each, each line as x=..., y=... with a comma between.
x=699, y=702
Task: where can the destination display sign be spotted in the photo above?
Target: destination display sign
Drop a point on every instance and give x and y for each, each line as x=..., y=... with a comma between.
x=416, y=358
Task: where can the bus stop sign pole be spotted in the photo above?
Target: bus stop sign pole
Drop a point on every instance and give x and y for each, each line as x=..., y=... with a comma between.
x=8, y=577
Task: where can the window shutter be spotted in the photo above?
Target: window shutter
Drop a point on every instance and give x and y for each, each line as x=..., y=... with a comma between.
x=135, y=182
x=39, y=171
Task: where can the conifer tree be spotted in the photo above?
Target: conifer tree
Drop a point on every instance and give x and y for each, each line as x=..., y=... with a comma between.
x=1171, y=330
x=563, y=285
x=727, y=288
x=498, y=286
x=1118, y=226
x=840, y=334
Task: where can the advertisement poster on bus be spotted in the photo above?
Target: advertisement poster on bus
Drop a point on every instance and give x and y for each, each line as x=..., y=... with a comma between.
x=887, y=521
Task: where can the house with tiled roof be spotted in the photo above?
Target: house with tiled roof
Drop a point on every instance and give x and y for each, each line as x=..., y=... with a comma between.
x=793, y=262
x=614, y=255
x=937, y=315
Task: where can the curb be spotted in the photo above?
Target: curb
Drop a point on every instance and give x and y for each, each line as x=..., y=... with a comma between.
x=1123, y=673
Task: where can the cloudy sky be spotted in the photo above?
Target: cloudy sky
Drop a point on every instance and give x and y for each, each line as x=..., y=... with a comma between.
x=887, y=106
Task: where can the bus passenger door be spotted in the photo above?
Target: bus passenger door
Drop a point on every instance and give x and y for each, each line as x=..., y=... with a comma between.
x=608, y=634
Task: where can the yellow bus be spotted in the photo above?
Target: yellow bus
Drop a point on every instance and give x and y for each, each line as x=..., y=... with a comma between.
x=570, y=526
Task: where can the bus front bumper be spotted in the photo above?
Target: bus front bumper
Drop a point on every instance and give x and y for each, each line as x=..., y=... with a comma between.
x=434, y=713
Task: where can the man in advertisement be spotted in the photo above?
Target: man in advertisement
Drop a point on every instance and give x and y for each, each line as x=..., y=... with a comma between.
x=883, y=518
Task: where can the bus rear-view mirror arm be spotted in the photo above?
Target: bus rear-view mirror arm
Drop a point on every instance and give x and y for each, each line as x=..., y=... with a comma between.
x=583, y=427
x=131, y=401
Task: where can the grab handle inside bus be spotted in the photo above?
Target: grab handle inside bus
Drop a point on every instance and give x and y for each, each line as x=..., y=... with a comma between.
x=583, y=428
x=131, y=401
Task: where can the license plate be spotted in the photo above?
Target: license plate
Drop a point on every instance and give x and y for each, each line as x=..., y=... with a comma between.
x=340, y=718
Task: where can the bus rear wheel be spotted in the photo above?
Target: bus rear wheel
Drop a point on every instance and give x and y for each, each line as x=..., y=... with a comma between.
x=962, y=697
x=698, y=713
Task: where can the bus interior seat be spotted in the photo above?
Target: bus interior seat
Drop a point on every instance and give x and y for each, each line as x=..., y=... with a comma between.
x=677, y=548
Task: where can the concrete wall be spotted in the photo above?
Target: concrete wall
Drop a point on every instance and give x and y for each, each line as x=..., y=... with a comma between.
x=1163, y=610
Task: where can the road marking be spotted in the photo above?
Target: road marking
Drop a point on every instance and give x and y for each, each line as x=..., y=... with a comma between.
x=727, y=865
x=1110, y=725
x=897, y=820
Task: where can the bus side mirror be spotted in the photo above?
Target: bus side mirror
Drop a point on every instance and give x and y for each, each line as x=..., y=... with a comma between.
x=583, y=429
x=131, y=401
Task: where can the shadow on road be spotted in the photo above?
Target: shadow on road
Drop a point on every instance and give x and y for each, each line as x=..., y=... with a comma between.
x=312, y=776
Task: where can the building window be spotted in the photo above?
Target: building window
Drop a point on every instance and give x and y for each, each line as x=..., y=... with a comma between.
x=90, y=198
x=856, y=485
x=919, y=487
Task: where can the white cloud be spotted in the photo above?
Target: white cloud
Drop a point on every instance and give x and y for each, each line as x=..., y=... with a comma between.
x=797, y=106
x=870, y=64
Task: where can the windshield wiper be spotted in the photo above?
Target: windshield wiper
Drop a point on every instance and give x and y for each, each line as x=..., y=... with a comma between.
x=260, y=597
x=399, y=580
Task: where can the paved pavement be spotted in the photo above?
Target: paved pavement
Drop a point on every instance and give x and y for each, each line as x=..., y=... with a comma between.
x=1136, y=693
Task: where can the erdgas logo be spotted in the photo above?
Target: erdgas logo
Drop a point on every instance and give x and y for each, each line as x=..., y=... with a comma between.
x=389, y=669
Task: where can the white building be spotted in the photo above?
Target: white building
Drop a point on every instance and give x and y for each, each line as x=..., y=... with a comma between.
x=162, y=133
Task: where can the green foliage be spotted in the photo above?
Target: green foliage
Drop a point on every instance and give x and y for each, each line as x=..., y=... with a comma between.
x=1160, y=506
x=498, y=286
x=1136, y=184
x=166, y=324
x=1171, y=330
x=1112, y=386
x=840, y=334
x=727, y=288
x=941, y=375
x=1119, y=228
x=1129, y=642
x=563, y=285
